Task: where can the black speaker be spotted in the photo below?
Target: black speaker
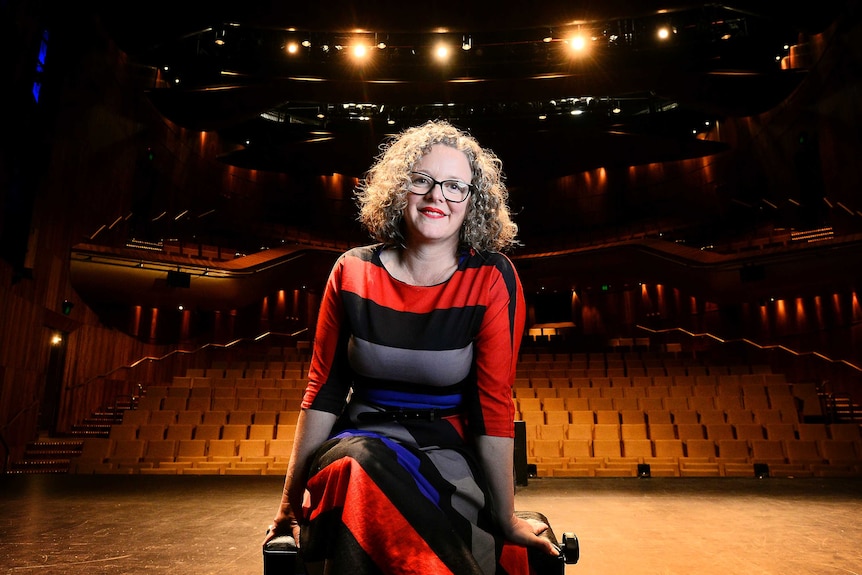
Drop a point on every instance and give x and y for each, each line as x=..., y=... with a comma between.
x=761, y=470
x=644, y=470
x=179, y=279
x=520, y=453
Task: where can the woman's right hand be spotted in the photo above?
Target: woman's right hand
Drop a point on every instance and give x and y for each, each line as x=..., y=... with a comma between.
x=289, y=526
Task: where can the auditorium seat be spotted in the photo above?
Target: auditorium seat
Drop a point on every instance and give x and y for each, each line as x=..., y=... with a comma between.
x=577, y=449
x=718, y=431
x=686, y=431
x=633, y=431
x=700, y=450
x=214, y=417
x=123, y=431
x=177, y=431
x=734, y=450
x=768, y=451
x=639, y=449
x=285, y=431
x=749, y=431
x=782, y=431
x=199, y=404
x=658, y=416
x=136, y=416
x=557, y=417
x=814, y=431
x=152, y=431
x=261, y=431
x=580, y=431
x=222, y=450
x=610, y=416
x=234, y=431
x=845, y=431
x=208, y=431
x=606, y=431
x=668, y=454
x=661, y=431
x=711, y=417
x=684, y=416
x=126, y=453
x=803, y=452
x=556, y=432
x=158, y=450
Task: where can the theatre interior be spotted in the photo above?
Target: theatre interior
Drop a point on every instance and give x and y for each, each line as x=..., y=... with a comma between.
x=177, y=180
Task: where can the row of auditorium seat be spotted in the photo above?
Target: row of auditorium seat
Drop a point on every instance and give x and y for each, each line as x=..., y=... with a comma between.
x=697, y=457
x=745, y=431
x=184, y=456
x=593, y=426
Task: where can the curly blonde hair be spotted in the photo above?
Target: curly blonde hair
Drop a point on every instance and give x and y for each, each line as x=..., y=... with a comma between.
x=382, y=195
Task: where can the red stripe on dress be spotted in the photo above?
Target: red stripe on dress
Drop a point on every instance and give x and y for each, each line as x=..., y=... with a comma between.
x=381, y=288
x=378, y=526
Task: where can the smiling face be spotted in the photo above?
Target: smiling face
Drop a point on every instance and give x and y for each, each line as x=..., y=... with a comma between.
x=431, y=219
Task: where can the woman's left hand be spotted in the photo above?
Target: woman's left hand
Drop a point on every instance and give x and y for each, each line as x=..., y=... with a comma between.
x=527, y=531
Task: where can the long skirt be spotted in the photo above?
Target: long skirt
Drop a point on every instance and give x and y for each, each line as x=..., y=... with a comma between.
x=403, y=498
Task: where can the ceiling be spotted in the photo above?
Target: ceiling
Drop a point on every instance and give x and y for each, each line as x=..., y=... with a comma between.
x=632, y=100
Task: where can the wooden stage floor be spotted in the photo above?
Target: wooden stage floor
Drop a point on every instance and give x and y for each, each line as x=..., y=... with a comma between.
x=208, y=525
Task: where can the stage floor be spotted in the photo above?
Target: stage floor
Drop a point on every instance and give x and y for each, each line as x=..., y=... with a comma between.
x=196, y=525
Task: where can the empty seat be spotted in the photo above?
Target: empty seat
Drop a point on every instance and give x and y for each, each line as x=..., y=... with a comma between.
x=546, y=448
x=845, y=431
x=749, y=431
x=160, y=450
x=179, y=431
x=815, y=431
x=733, y=449
x=668, y=449
x=151, y=431
x=689, y=431
x=633, y=431
x=136, y=416
x=719, y=431
x=840, y=452
x=700, y=449
x=221, y=448
x=768, y=451
x=781, y=431
x=163, y=417
x=580, y=431
x=685, y=416
x=637, y=448
x=235, y=431
x=606, y=431
x=803, y=452
x=662, y=431
x=208, y=431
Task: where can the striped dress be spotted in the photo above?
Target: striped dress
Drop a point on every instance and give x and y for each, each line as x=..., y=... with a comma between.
x=413, y=372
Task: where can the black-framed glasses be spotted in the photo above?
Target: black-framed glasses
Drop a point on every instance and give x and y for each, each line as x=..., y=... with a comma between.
x=453, y=190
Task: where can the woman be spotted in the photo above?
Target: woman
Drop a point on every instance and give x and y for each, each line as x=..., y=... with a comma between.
x=402, y=459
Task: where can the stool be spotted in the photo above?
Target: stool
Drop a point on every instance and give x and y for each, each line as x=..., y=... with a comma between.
x=281, y=556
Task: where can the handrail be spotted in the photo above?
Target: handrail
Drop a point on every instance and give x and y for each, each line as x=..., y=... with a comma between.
x=186, y=352
x=754, y=344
